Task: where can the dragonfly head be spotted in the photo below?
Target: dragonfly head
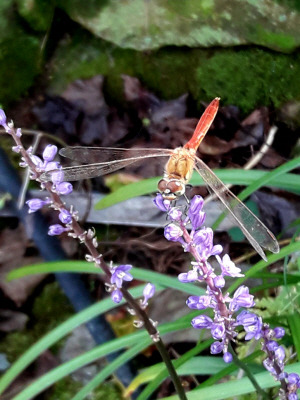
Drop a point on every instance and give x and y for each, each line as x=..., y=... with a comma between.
x=171, y=189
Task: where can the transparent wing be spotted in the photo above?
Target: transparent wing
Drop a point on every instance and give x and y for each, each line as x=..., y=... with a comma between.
x=107, y=154
x=254, y=230
x=101, y=168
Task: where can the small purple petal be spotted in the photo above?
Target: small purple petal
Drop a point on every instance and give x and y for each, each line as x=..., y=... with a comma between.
x=279, y=332
x=37, y=161
x=52, y=165
x=202, y=321
x=64, y=188
x=272, y=345
x=190, y=276
x=216, y=347
x=65, y=217
x=148, y=292
x=241, y=298
x=198, y=302
x=2, y=118
x=36, y=204
x=56, y=230
x=279, y=354
x=173, y=232
x=57, y=176
x=116, y=296
x=50, y=152
x=175, y=214
x=228, y=267
x=219, y=281
x=227, y=357
x=293, y=378
x=218, y=331
x=161, y=204
x=195, y=213
x=119, y=274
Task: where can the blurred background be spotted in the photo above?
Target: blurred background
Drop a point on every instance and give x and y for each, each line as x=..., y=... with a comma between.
x=139, y=73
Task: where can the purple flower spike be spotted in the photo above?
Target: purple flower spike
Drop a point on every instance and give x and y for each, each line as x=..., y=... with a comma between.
x=227, y=357
x=216, y=347
x=279, y=332
x=36, y=204
x=173, y=232
x=120, y=274
x=3, y=118
x=56, y=229
x=49, y=152
x=241, y=298
x=228, y=267
x=148, y=292
x=195, y=213
x=161, y=204
x=116, y=296
x=202, y=321
x=65, y=217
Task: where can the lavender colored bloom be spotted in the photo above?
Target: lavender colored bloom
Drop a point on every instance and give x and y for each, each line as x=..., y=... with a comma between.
x=36, y=204
x=3, y=118
x=57, y=176
x=120, y=274
x=52, y=165
x=219, y=281
x=56, y=229
x=293, y=396
x=64, y=188
x=49, y=153
x=216, y=347
x=175, y=214
x=161, y=204
x=241, y=298
x=148, y=292
x=65, y=216
x=190, y=276
x=218, y=331
x=202, y=321
x=173, y=232
x=228, y=267
x=279, y=354
x=198, y=302
x=203, y=240
x=279, y=332
x=251, y=323
x=195, y=213
x=37, y=161
x=116, y=296
x=294, y=378
x=272, y=345
x=227, y=357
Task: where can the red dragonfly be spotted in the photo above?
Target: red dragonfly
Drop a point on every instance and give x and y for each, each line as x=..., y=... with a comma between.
x=178, y=171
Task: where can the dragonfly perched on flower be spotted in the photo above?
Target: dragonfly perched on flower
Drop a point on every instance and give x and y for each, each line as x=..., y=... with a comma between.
x=178, y=171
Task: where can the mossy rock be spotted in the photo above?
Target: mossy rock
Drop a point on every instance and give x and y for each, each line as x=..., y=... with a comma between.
x=247, y=77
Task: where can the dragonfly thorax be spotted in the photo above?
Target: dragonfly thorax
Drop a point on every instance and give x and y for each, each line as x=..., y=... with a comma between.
x=171, y=189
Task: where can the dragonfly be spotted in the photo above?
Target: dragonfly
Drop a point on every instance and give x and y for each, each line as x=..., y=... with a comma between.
x=178, y=171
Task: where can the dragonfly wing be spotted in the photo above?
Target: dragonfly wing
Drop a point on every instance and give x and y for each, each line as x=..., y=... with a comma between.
x=79, y=172
x=107, y=154
x=254, y=230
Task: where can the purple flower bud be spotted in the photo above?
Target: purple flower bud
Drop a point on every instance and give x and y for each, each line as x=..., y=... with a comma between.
x=37, y=161
x=279, y=354
x=219, y=281
x=50, y=152
x=52, y=165
x=65, y=216
x=198, y=302
x=2, y=118
x=241, y=298
x=279, y=332
x=195, y=213
x=268, y=364
x=272, y=345
x=161, y=204
x=293, y=378
x=173, y=232
x=148, y=292
x=202, y=321
x=228, y=267
x=227, y=357
x=116, y=296
x=293, y=396
x=56, y=229
x=218, y=331
x=18, y=132
x=36, y=204
x=57, y=176
x=120, y=274
x=216, y=347
x=175, y=214
x=64, y=188
x=190, y=276
x=16, y=149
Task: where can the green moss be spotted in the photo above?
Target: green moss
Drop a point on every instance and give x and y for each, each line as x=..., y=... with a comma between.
x=49, y=310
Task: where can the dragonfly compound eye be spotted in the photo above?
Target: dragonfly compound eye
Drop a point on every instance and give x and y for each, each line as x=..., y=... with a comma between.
x=176, y=187
x=162, y=185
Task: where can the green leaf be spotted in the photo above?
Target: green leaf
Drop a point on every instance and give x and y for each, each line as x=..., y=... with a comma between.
x=289, y=182
x=237, y=387
x=86, y=268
